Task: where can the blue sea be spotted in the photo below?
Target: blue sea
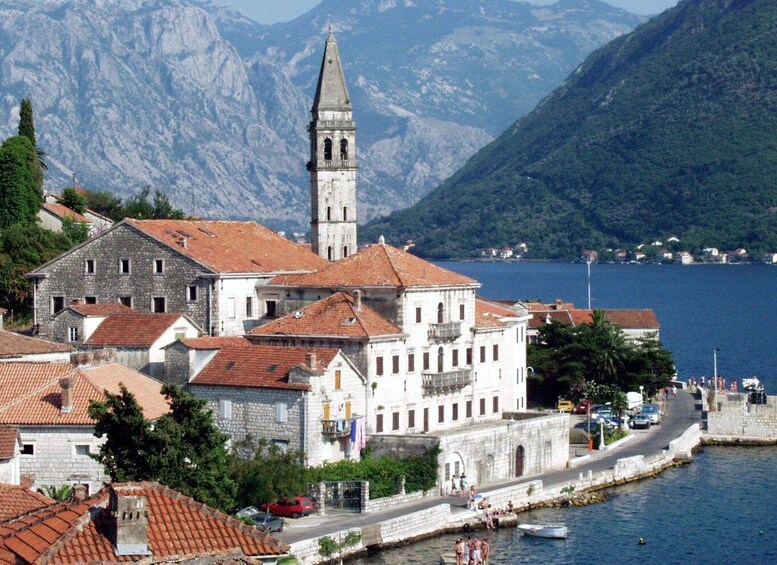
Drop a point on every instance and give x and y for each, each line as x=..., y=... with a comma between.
x=718, y=509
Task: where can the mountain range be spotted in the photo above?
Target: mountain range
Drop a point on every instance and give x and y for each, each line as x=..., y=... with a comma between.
x=666, y=131
x=211, y=107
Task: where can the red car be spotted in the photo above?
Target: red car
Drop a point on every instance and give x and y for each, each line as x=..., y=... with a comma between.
x=290, y=508
x=583, y=407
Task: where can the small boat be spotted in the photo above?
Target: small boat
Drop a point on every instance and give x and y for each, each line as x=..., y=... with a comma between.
x=543, y=531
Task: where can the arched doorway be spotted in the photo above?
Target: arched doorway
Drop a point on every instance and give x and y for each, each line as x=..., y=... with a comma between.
x=519, y=456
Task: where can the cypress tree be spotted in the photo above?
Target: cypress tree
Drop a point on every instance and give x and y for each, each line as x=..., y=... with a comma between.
x=26, y=124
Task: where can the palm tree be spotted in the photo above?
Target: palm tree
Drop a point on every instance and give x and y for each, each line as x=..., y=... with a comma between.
x=63, y=492
x=611, y=353
x=619, y=405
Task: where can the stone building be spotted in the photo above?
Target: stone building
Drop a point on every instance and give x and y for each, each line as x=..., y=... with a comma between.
x=208, y=270
x=10, y=451
x=18, y=347
x=304, y=399
x=48, y=403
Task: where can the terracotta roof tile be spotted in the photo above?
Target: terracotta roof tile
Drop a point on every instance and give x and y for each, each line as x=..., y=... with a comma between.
x=624, y=319
x=377, y=266
x=265, y=366
x=9, y=442
x=489, y=315
x=540, y=318
x=102, y=309
x=179, y=528
x=232, y=247
x=133, y=329
x=18, y=500
x=335, y=315
x=14, y=345
x=62, y=211
x=30, y=393
x=215, y=342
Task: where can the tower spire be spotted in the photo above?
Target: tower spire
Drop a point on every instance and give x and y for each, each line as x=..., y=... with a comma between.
x=332, y=162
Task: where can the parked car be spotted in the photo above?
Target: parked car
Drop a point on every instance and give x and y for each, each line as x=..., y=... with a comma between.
x=583, y=407
x=641, y=421
x=263, y=521
x=290, y=507
x=653, y=411
x=565, y=406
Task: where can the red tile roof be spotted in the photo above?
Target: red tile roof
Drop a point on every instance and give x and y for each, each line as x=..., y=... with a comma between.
x=263, y=366
x=377, y=266
x=62, y=211
x=232, y=247
x=9, y=442
x=179, y=529
x=18, y=500
x=624, y=319
x=30, y=393
x=336, y=316
x=134, y=329
x=15, y=345
x=215, y=342
x=102, y=309
x=489, y=314
x=539, y=319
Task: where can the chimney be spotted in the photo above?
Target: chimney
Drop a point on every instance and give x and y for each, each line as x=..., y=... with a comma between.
x=79, y=493
x=27, y=481
x=66, y=386
x=381, y=240
x=129, y=524
x=357, y=300
x=93, y=357
x=310, y=360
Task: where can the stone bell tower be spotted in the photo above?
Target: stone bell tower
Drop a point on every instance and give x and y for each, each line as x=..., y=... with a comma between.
x=332, y=162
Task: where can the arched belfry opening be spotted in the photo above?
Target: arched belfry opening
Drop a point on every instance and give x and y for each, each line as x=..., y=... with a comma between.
x=343, y=149
x=327, y=149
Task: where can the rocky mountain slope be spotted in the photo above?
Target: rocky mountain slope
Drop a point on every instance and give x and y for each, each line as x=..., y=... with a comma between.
x=211, y=107
x=669, y=130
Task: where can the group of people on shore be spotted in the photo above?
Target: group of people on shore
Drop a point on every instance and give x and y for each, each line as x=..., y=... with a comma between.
x=472, y=551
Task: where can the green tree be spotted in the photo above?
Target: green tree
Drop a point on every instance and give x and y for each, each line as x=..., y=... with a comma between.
x=73, y=200
x=139, y=206
x=23, y=247
x=105, y=203
x=26, y=124
x=163, y=209
x=183, y=449
x=20, y=197
x=27, y=129
x=264, y=472
x=76, y=232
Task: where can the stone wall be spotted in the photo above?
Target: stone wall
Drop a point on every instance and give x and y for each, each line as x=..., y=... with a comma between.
x=380, y=504
x=739, y=419
x=177, y=364
x=56, y=460
x=254, y=412
x=395, y=530
x=67, y=277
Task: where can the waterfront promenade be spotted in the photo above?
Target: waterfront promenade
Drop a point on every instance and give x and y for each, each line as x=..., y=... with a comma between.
x=679, y=414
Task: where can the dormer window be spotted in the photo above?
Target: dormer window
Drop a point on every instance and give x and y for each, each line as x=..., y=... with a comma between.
x=327, y=149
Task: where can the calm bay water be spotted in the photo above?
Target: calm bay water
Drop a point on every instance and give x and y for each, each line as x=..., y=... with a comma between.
x=720, y=508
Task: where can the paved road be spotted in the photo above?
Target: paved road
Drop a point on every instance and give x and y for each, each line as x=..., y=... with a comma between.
x=677, y=415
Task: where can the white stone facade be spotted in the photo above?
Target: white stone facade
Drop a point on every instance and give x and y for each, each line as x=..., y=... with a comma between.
x=59, y=456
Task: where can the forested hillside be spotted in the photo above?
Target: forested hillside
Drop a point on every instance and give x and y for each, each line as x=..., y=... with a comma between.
x=670, y=130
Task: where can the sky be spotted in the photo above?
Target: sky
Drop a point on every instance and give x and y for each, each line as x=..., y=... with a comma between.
x=272, y=11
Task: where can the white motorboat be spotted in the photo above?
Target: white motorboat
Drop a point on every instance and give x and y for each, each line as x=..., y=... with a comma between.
x=543, y=531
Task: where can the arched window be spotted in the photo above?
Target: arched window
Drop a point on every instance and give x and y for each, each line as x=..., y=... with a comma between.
x=345, y=213
x=440, y=313
x=327, y=149
x=345, y=251
x=343, y=149
x=328, y=213
x=329, y=252
x=440, y=360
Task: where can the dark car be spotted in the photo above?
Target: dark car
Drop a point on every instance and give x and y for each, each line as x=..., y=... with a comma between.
x=290, y=507
x=263, y=521
x=583, y=407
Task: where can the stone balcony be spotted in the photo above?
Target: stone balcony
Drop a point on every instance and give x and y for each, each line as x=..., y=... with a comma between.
x=447, y=381
x=445, y=331
x=336, y=428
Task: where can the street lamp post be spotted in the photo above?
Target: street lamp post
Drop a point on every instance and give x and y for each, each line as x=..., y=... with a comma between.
x=715, y=377
x=641, y=394
x=601, y=436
